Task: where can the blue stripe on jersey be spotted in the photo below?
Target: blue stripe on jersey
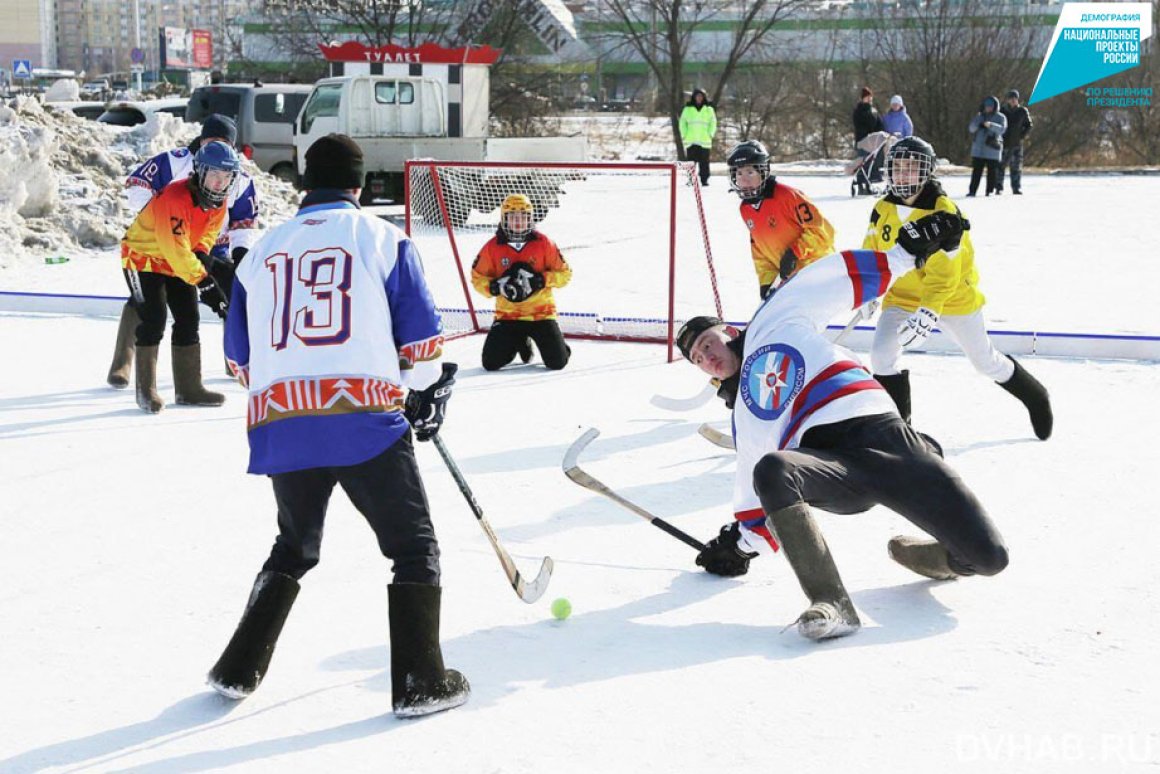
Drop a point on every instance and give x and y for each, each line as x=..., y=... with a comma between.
x=819, y=393
x=413, y=314
x=869, y=273
x=299, y=443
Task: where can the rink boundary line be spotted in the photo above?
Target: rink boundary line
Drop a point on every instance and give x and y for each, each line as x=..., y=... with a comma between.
x=1013, y=342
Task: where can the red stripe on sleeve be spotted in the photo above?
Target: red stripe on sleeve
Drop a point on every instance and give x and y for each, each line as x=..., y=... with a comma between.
x=883, y=272
x=855, y=279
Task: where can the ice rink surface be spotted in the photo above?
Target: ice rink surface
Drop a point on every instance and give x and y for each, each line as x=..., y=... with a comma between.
x=131, y=541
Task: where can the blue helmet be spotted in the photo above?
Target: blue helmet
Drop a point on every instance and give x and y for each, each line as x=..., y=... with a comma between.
x=214, y=156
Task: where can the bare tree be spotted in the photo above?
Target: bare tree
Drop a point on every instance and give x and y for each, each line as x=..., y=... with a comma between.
x=661, y=32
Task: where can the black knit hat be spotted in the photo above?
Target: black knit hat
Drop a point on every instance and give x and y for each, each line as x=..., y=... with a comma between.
x=692, y=329
x=219, y=127
x=1013, y=93
x=333, y=161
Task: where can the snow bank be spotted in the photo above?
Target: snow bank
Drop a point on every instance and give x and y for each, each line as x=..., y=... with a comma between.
x=62, y=177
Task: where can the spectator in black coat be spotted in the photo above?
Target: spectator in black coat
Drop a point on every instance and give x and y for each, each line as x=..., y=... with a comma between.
x=1018, y=127
x=866, y=121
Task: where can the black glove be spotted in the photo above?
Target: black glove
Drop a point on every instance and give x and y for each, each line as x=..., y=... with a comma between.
x=927, y=235
x=764, y=290
x=212, y=296
x=721, y=556
x=426, y=409
x=525, y=280
x=237, y=254
x=205, y=258
x=787, y=265
x=509, y=289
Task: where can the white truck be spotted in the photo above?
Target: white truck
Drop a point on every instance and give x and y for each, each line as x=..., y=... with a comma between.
x=441, y=113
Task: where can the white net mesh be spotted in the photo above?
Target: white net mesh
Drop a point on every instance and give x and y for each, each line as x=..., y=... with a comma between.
x=612, y=223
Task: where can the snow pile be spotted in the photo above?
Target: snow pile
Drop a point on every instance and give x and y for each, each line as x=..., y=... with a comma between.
x=62, y=179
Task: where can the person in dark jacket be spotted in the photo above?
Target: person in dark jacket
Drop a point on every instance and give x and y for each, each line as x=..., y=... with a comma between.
x=866, y=120
x=1018, y=127
x=987, y=129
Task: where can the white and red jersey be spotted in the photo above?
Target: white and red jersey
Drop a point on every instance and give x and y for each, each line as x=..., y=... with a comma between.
x=330, y=322
x=793, y=377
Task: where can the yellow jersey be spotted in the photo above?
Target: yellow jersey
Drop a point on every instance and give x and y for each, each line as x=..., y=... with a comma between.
x=947, y=284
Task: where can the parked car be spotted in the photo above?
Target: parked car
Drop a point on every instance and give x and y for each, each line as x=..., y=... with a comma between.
x=97, y=89
x=90, y=110
x=265, y=117
x=133, y=113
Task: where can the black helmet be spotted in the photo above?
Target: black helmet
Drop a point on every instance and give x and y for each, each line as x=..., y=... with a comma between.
x=906, y=179
x=750, y=153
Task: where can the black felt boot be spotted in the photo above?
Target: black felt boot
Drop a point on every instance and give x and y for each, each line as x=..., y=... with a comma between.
x=245, y=660
x=420, y=684
x=1034, y=396
x=897, y=386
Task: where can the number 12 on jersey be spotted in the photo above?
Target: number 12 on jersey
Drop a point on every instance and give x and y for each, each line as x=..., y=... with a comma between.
x=311, y=297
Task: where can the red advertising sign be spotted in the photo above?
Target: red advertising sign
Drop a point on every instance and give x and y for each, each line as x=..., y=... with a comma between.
x=203, y=49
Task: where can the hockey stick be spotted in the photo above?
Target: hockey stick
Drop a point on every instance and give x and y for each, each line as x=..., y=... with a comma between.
x=572, y=470
x=715, y=436
x=864, y=312
x=528, y=592
x=686, y=404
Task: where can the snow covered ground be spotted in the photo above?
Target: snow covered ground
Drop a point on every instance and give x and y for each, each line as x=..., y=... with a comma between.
x=130, y=543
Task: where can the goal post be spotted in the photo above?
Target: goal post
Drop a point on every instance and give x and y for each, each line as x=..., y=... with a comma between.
x=634, y=235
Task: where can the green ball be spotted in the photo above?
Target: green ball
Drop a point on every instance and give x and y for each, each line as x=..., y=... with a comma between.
x=561, y=608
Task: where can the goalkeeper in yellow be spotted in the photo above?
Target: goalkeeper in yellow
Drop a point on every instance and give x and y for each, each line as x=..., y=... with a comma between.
x=944, y=292
x=518, y=267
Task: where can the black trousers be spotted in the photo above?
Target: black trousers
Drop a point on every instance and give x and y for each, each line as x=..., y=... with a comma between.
x=851, y=466
x=1013, y=158
x=386, y=490
x=992, y=167
x=699, y=154
x=151, y=293
x=506, y=336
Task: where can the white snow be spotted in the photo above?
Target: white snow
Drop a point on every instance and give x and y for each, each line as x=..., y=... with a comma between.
x=131, y=542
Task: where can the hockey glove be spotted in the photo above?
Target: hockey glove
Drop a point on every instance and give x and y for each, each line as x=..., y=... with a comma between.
x=503, y=286
x=426, y=409
x=721, y=555
x=927, y=235
x=788, y=264
x=764, y=290
x=917, y=327
x=212, y=296
x=205, y=258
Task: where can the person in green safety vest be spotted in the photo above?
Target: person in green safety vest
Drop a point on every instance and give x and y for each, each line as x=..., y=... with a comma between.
x=698, y=125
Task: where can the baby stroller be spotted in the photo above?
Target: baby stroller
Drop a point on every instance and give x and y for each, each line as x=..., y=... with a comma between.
x=867, y=166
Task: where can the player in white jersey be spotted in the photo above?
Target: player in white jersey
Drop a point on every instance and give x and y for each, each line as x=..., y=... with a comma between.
x=238, y=232
x=331, y=323
x=812, y=427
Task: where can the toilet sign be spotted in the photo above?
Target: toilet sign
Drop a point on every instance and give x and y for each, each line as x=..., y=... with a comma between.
x=22, y=68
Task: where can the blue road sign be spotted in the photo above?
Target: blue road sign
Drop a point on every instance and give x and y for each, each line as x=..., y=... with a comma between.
x=21, y=68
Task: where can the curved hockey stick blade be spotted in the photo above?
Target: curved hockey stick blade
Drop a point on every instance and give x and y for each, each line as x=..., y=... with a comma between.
x=685, y=404
x=530, y=592
x=572, y=470
x=715, y=436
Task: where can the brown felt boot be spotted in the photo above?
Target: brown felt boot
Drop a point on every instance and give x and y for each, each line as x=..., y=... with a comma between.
x=831, y=613
x=147, y=397
x=187, y=378
x=925, y=557
x=122, y=365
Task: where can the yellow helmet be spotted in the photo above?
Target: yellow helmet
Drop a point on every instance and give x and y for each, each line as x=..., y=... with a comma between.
x=517, y=203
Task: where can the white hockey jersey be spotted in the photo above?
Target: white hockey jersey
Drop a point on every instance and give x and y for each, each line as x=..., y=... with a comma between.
x=151, y=177
x=793, y=378
x=330, y=322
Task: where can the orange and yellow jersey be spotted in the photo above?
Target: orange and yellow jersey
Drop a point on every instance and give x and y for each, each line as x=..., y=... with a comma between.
x=949, y=283
x=164, y=235
x=783, y=218
x=541, y=253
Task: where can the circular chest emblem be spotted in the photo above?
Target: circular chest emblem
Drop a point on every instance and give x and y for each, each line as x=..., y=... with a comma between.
x=770, y=379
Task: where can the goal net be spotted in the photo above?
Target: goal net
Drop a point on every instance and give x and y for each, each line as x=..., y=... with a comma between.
x=633, y=234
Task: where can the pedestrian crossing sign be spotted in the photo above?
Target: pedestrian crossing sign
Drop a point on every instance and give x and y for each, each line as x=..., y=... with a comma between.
x=22, y=68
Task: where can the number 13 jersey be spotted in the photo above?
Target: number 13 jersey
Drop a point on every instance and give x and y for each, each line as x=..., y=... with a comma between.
x=330, y=322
